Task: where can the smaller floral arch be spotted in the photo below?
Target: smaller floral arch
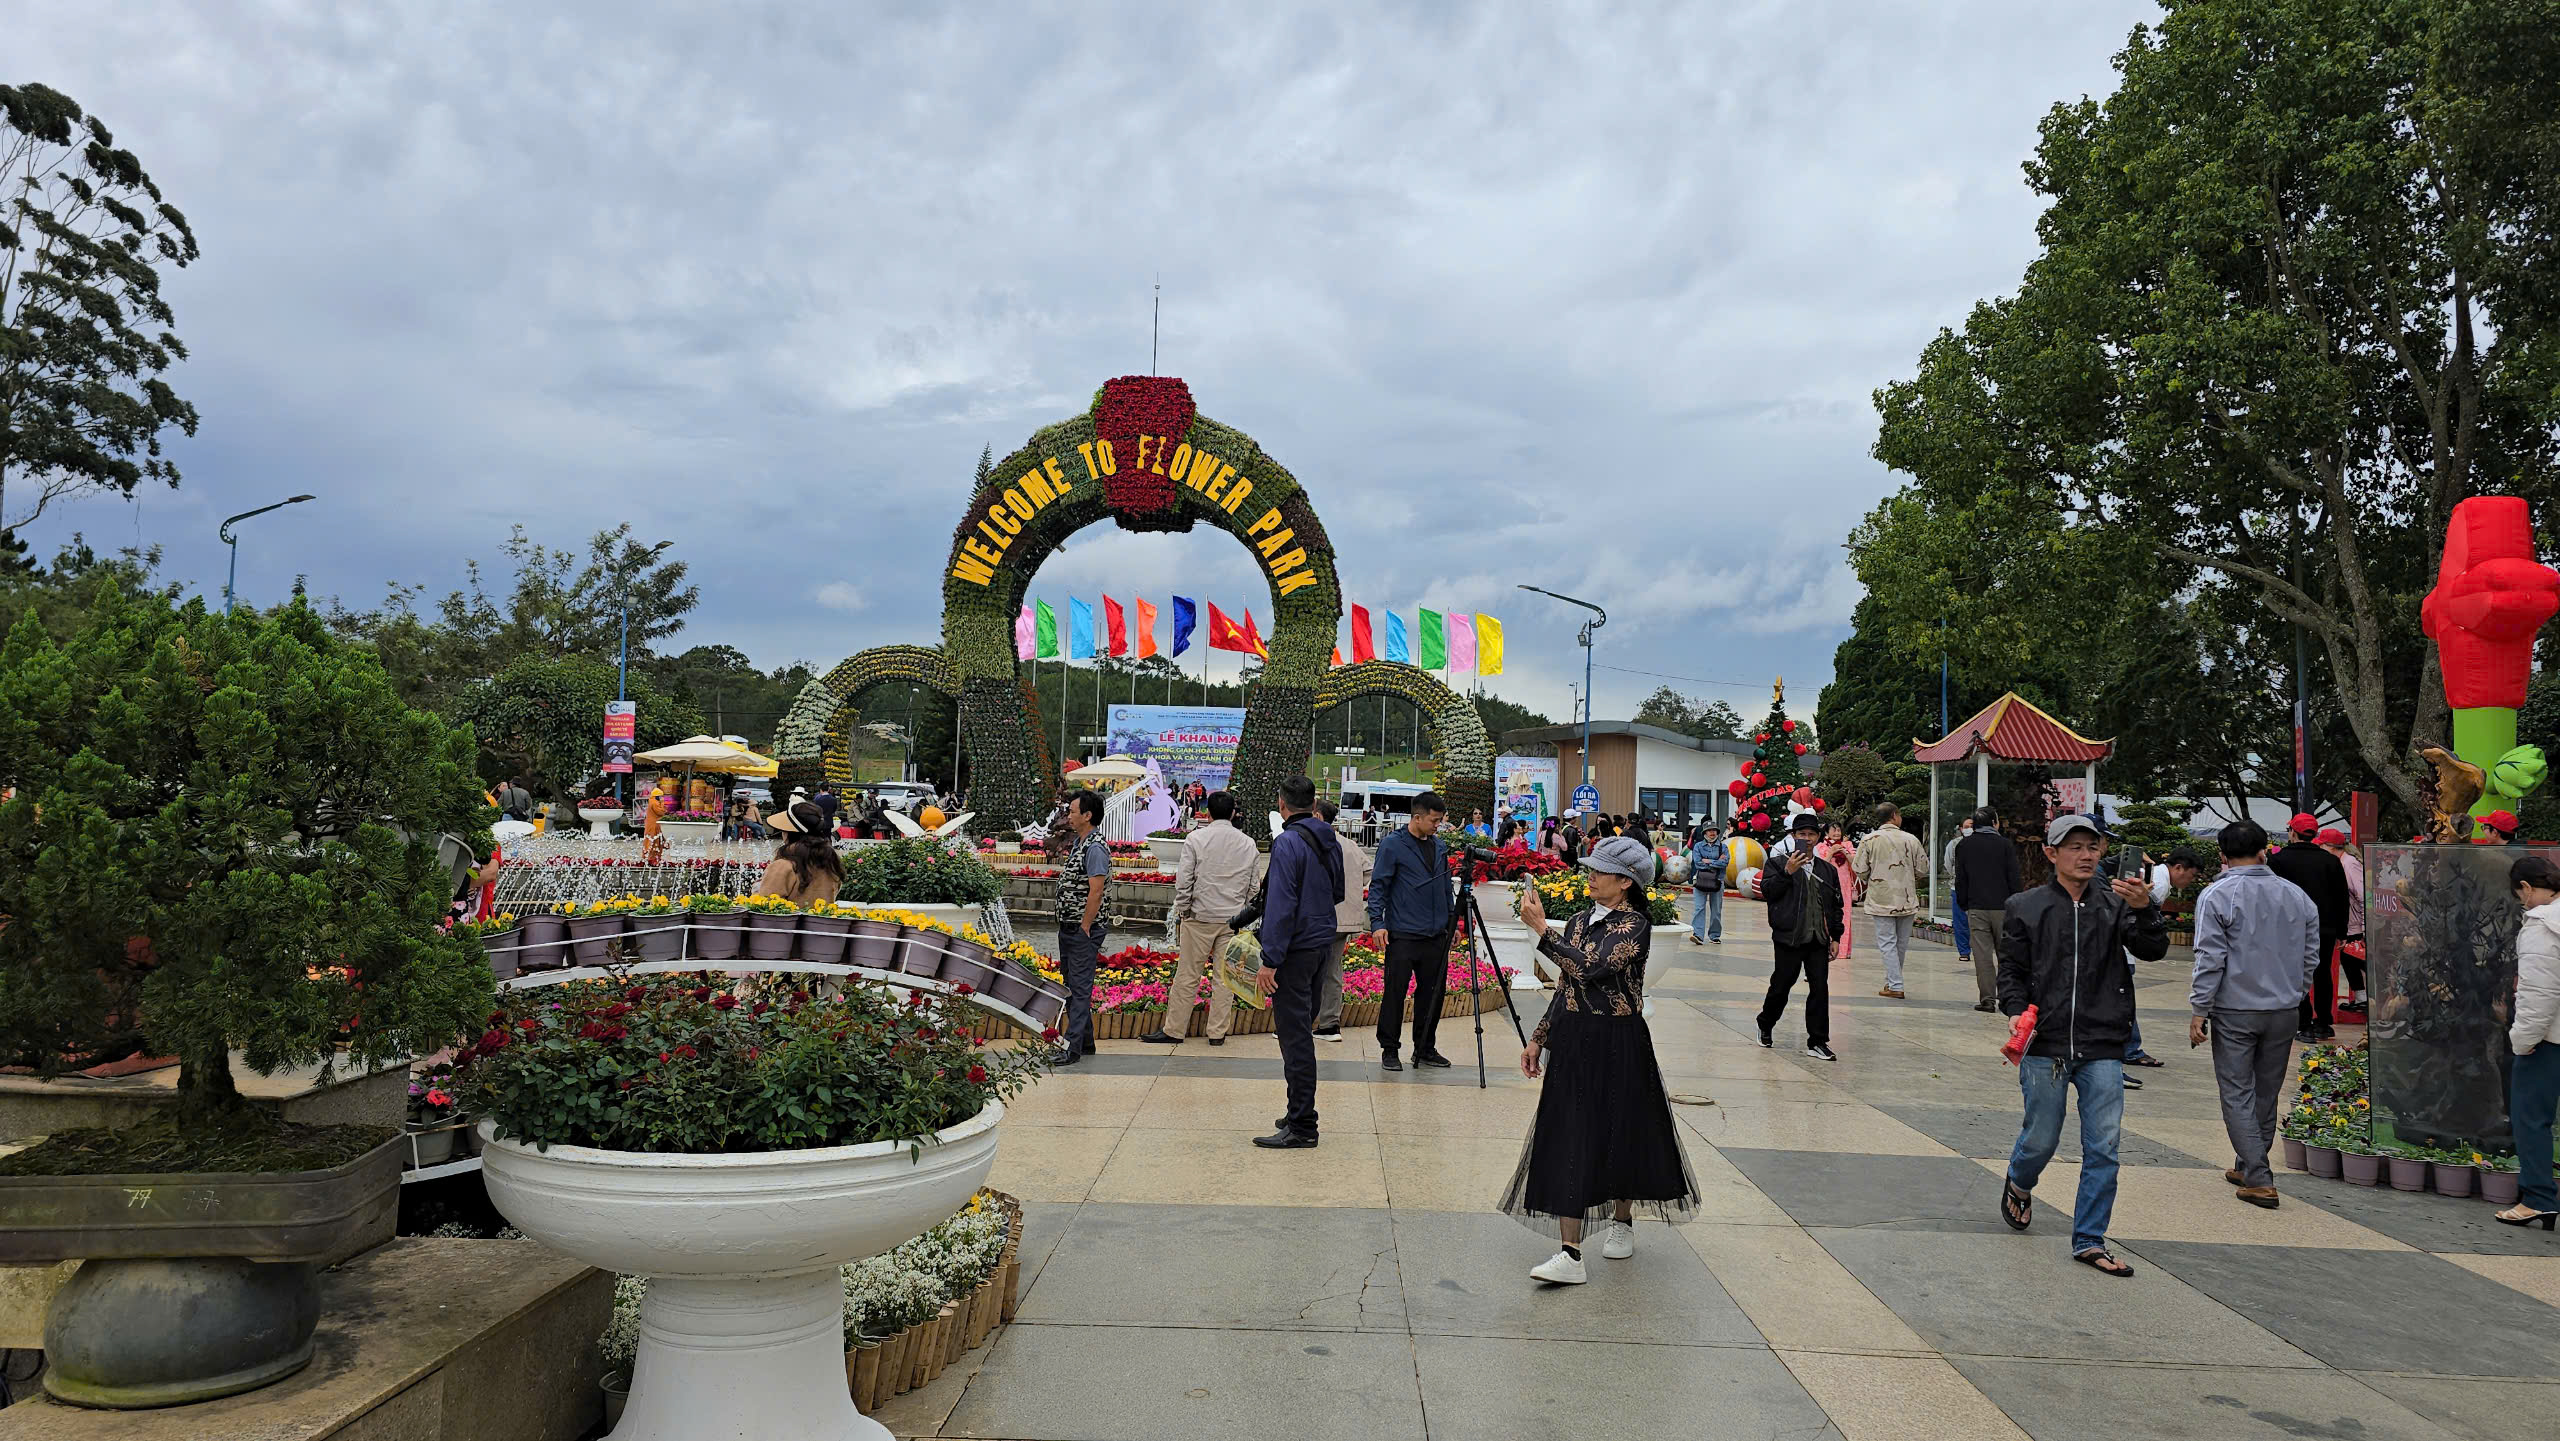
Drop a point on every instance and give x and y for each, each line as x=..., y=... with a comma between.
x=814, y=742
x=1461, y=749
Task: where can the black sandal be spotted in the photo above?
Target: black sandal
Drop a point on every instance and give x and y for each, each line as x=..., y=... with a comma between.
x=2017, y=1207
x=2104, y=1262
x=2153, y=1061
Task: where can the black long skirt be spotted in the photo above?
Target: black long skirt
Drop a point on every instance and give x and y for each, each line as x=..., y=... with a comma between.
x=1603, y=1133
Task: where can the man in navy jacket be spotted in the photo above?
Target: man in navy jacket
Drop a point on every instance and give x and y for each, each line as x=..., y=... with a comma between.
x=1304, y=886
x=1409, y=899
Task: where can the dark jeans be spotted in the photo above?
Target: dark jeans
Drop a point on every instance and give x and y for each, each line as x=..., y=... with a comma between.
x=1814, y=962
x=2354, y=967
x=2315, y=1012
x=1293, y=1017
x=2533, y=1092
x=1079, y=952
x=1424, y=961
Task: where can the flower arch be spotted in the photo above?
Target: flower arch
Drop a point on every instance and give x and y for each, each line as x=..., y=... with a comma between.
x=814, y=742
x=1460, y=747
x=1143, y=457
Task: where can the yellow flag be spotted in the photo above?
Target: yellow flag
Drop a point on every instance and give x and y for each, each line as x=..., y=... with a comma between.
x=1488, y=645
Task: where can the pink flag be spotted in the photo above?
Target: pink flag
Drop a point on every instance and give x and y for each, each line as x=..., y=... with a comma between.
x=1462, y=644
x=1022, y=634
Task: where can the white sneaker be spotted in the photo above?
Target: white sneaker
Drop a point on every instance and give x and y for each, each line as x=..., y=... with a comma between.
x=1561, y=1269
x=1617, y=1240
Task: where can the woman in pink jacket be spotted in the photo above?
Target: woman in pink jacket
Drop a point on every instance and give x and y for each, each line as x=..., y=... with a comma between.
x=1837, y=848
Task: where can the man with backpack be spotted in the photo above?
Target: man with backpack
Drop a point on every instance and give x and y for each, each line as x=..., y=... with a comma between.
x=1706, y=877
x=1803, y=895
x=514, y=801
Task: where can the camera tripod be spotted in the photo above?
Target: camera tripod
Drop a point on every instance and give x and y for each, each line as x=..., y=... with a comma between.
x=1482, y=937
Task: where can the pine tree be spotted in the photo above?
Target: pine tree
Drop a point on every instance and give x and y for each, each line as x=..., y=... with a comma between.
x=986, y=469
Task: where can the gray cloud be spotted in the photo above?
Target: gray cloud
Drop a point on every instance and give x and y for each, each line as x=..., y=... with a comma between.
x=1591, y=296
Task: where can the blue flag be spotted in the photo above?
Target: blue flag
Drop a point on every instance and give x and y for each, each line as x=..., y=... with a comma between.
x=1079, y=631
x=1396, y=647
x=1185, y=616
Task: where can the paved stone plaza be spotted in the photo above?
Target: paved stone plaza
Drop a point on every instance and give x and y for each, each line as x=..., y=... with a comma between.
x=1849, y=1277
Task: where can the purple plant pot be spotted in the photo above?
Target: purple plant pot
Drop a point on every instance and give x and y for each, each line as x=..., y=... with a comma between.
x=2293, y=1158
x=506, y=952
x=921, y=953
x=1048, y=1003
x=771, y=935
x=591, y=938
x=875, y=944
x=1013, y=988
x=2321, y=1160
x=2499, y=1188
x=2453, y=1180
x=2360, y=1168
x=658, y=938
x=546, y=943
x=962, y=969
x=2407, y=1174
x=716, y=935
x=825, y=938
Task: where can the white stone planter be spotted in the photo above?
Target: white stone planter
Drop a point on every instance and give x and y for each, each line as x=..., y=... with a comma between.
x=600, y=822
x=742, y=1333
x=688, y=833
x=953, y=916
x=1168, y=853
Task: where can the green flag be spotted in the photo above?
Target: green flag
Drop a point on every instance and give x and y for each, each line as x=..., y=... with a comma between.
x=1046, y=628
x=1435, y=643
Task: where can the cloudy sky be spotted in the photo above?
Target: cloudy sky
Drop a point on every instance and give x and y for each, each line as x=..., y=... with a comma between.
x=1593, y=297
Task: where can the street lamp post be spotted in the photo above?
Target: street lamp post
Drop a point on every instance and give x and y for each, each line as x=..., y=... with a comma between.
x=1598, y=619
x=233, y=541
x=622, y=664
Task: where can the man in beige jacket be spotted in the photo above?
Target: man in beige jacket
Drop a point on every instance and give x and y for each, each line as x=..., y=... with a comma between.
x=1212, y=886
x=1889, y=865
x=1349, y=919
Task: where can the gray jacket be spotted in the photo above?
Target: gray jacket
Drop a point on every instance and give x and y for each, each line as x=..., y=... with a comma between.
x=2257, y=943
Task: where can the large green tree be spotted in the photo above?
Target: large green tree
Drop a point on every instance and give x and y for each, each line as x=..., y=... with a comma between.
x=541, y=720
x=2295, y=299
x=84, y=332
x=1690, y=716
x=221, y=834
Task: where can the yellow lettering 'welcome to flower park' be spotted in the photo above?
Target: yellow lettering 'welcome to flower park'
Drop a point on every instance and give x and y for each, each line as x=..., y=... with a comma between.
x=1013, y=506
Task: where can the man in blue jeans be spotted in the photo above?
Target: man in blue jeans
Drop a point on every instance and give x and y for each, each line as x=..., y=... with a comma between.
x=1706, y=877
x=2062, y=948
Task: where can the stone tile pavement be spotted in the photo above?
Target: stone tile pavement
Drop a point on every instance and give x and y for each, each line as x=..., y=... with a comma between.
x=1848, y=1277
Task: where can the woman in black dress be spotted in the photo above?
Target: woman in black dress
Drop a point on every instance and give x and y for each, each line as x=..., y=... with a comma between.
x=1603, y=1144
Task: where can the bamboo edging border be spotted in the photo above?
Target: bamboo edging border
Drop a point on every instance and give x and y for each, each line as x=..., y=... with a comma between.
x=921, y=1353
x=1130, y=1025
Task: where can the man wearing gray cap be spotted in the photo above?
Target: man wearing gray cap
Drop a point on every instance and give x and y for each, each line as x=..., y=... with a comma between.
x=2062, y=948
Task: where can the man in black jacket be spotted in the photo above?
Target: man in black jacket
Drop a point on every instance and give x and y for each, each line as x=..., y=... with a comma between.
x=1803, y=892
x=1409, y=900
x=2323, y=877
x=1986, y=876
x=2062, y=948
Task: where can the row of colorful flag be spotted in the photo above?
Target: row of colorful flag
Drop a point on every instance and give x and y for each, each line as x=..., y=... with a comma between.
x=1445, y=641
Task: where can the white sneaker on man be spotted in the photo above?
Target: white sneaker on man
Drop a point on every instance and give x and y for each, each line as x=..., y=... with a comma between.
x=1562, y=1269
x=1617, y=1240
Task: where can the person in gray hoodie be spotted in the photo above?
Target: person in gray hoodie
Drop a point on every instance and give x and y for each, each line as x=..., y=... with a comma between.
x=2257, y=941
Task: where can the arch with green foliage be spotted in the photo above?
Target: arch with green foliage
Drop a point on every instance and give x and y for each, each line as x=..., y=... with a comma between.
x=1461, y=751
x=814, y=743
x=1143, y=457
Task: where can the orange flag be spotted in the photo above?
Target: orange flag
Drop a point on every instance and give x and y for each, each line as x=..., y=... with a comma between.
x=1337, y=655
x=1146, y=628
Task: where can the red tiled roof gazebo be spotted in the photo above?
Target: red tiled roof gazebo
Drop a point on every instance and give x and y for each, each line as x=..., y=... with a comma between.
x=2012, y=731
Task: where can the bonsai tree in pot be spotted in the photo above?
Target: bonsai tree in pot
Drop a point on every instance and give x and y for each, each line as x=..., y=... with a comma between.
x=224, y=843
x=618, y=1114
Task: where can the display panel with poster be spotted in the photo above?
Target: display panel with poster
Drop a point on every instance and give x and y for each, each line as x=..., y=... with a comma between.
x=1525, y=787
x=2440, y=939
x=1189, y=744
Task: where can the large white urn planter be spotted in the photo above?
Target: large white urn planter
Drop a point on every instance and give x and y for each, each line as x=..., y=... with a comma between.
x=688, y=833
x=742, y=1333
x=953, y=916
x=600, y=820
x=1168, y=852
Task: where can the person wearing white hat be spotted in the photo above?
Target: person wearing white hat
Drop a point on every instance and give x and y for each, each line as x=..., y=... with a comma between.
x=1603, y=1144
x=805, y=866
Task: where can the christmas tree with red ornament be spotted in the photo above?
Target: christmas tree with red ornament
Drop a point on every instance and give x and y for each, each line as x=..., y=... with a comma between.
x=1773, y=780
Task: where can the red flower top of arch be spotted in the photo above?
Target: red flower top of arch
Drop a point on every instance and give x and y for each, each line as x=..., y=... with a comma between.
x=1127, y=408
